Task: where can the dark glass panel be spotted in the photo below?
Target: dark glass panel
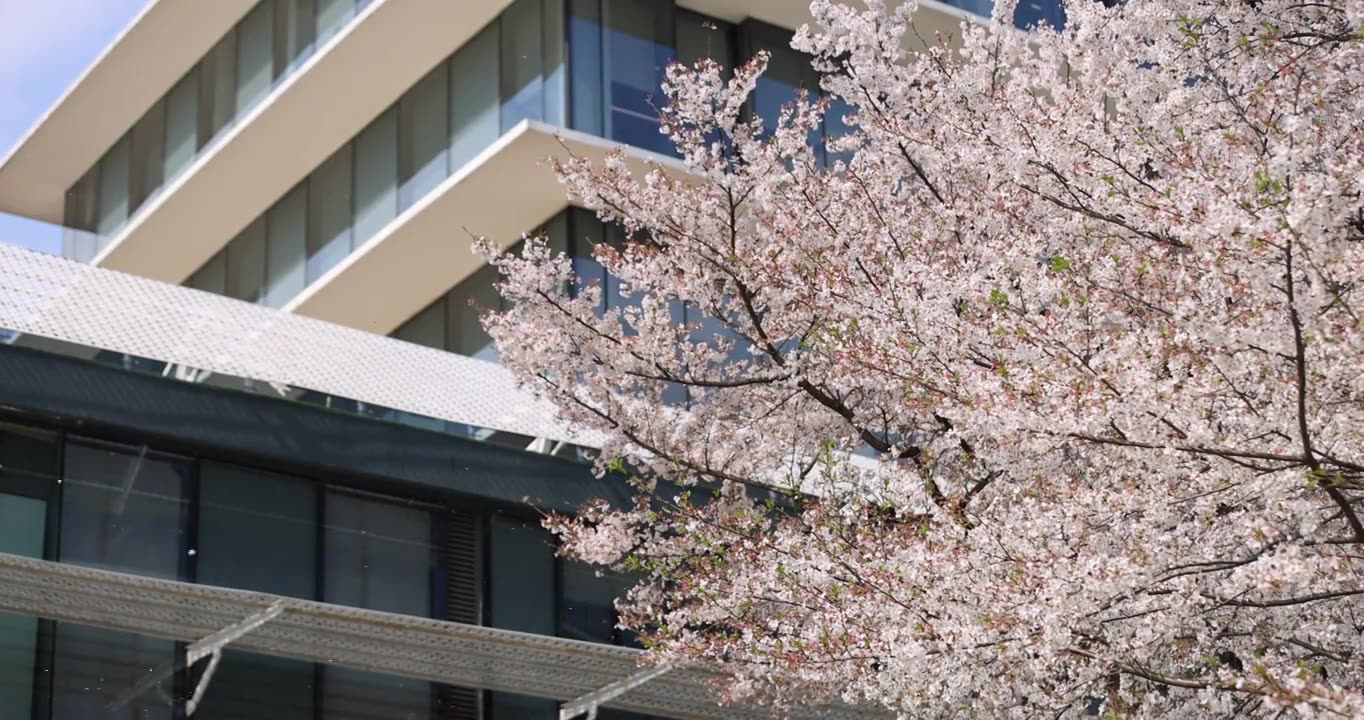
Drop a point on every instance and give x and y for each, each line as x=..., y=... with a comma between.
x=329, y=214
x=125, y=509
x=287, y=230
x=522, y=63
x=423, y=136
x=255, y=55
x=637, y=45
x=426, y=327
x=148, y=156
x=93, y=667
x=474, y=104
x=246, y=263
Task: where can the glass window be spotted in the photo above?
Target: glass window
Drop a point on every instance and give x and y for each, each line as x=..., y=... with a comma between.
x=23, y=527
x=476, y=293
x=426, y=327
x=586, y=231
x=522, y=63
x=148, y=155
x=700, y=37
x=113, y=188
x=294, y=27
x=423, y=136
x=636, y=49
x=218, y=88
x=787, y=71
x=521, y=597
x=378, y=554
x=212, y=277
x=124, y=509
x=29, y=463
x=96, y=666
x=246, y=263
x=587, y=608
x=376, y=176
x=555, y=59
x=331, y=16
x=1029, y=13
x=473, y=98
x=80, y=218
x=255, y=56
x=246, y=515
x=287, y=232
x=329, y=208
x=182, y=125
x=349, y=694
x=521, y=574
x=585, y=62
x=246, y=684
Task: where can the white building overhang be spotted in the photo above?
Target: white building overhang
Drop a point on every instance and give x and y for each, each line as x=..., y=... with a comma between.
x=213, y=618
x=339, y=90
x=504, y=192
x=159, y=46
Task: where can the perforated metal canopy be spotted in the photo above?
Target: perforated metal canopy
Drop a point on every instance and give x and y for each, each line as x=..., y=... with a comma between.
x=445, y=652
x=60, y=299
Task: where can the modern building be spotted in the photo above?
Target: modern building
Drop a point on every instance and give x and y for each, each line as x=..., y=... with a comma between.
x=222, y=491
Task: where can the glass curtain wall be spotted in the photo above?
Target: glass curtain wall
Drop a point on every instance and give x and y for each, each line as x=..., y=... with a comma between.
x=134, y=508
x=512, y=70
x=269, y=43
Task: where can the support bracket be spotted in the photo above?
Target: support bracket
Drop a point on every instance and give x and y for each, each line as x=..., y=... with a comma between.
x=210, y=646
x=587, y=704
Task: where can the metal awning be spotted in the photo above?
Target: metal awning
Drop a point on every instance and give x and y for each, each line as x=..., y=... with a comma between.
x=434, y=650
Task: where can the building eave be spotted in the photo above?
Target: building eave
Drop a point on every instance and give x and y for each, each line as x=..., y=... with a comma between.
x=354, y=78
x=506, y=191
x=159, y=46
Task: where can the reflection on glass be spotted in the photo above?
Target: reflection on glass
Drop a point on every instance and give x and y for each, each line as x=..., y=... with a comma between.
x=148, y=155
x=587, y=607
x=123, y=509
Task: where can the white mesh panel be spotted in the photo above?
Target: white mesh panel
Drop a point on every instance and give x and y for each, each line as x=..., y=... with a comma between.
x=56, y=298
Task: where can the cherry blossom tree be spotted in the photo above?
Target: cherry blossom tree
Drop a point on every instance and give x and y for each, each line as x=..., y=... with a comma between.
x=1057, y=374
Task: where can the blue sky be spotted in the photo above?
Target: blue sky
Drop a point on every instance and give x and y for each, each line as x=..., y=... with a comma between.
x=44, y=46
